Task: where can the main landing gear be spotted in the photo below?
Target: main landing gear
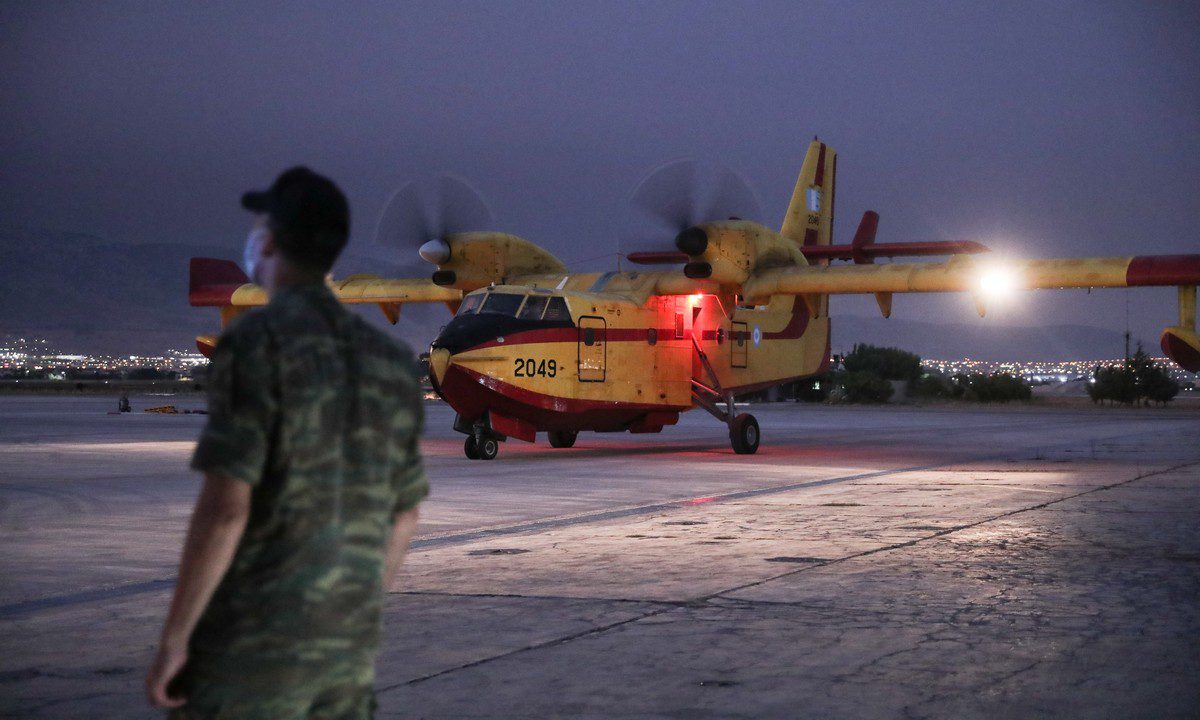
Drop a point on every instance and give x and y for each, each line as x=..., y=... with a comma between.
x=743, y=429
x=562, y=438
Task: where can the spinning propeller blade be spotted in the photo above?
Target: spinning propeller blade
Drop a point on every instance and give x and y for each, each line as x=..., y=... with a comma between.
x=678, y=195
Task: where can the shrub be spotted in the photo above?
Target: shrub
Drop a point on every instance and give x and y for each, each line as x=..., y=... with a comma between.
x=864, y=387
x=997, y=387
x=934, y=385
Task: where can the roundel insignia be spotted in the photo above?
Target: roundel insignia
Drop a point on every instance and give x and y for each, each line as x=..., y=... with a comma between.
x=756, y=336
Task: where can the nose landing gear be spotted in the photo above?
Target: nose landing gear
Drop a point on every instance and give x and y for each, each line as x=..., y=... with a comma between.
x=482, y=442
x=484, y=448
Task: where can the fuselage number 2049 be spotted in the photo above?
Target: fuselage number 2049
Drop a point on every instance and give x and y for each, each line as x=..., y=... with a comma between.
x=528, y=367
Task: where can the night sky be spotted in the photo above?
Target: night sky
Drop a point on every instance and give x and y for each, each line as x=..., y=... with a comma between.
x=1043, y=129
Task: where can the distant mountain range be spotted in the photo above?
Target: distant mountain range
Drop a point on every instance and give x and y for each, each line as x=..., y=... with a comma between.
x=89, y=295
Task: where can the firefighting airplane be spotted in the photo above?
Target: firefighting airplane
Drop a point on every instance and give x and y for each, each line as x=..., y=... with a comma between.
x=534, y=348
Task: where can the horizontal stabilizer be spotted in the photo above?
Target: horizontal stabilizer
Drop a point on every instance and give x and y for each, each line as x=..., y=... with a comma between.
x=868, y=253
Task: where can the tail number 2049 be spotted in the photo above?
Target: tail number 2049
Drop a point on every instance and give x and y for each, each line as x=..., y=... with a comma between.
x=529, y=367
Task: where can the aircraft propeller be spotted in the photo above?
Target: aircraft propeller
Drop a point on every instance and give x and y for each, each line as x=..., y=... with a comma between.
x=679, y=195
x=418, y=217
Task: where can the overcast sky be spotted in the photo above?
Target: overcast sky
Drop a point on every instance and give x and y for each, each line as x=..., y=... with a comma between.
x=1044, y=129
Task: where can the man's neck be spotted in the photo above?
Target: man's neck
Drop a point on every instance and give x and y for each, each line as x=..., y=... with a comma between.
x=287, y=276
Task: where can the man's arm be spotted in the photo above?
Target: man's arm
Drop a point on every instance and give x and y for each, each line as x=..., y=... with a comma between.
x=213, y=536
x=403, y=529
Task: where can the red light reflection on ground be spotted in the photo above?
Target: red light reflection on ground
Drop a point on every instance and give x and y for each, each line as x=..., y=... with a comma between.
x=698, y=501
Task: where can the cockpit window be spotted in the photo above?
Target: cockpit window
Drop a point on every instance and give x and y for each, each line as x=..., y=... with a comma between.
x=533, y=307
x=502, y=304
x=557, y=310
x=470, y=304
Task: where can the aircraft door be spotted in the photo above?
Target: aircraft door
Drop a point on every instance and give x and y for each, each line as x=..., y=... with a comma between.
x=592, y=348
x=740, y=347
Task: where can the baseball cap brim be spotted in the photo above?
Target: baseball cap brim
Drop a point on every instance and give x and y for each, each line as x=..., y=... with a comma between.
x=257, y=201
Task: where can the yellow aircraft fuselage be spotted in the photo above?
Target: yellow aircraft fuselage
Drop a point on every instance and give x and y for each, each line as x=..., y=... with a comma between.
x=612, y=364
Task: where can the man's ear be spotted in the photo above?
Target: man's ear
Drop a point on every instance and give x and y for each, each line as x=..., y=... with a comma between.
x=269, y=246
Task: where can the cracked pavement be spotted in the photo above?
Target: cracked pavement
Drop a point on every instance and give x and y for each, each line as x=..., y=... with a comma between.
x=893, y=562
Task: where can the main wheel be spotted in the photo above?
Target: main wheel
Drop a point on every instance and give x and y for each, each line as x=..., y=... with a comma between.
x=744, y=435
x=562, y=438
x=470, y=449
x=487, y=448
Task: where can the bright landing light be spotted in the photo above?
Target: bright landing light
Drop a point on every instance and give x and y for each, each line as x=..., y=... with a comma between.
x=998, y=282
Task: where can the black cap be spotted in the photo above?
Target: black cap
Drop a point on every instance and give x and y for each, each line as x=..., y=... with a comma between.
x=309, y=216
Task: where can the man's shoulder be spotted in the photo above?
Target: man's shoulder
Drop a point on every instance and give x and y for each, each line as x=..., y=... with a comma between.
x=246, y=331
x=381, y=345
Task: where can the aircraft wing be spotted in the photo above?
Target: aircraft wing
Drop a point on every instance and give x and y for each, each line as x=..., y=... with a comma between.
x=213, y=282
x=985, y=278
x=977, y=276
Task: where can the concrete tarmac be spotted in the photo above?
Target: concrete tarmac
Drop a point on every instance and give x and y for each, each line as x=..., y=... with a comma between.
x=867, y=563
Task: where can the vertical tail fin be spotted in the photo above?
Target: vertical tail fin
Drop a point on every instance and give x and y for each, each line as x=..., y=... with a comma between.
x=809, y=219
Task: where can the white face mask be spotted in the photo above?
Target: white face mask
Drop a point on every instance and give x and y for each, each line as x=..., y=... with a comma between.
x=254, y=244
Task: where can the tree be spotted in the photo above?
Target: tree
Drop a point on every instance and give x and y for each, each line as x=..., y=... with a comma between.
x=1137, y=379
x=886, y=363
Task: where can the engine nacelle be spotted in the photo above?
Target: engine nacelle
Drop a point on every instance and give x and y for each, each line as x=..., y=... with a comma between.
x=468, y=261
x=731, y=251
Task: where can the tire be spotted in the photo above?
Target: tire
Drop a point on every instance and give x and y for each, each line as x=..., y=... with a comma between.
x=562, y=438
x=744, y=434
x=487, y=448
x=470, y=449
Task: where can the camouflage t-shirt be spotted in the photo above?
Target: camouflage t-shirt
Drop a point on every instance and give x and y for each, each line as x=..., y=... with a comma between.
x=320, y=413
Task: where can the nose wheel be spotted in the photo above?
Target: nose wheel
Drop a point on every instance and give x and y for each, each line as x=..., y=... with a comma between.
x=481, y=448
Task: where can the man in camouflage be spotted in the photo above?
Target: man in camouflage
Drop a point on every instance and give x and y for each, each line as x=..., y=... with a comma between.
x=312, y=480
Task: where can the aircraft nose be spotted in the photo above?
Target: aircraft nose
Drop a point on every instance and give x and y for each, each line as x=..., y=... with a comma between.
x=439, y=360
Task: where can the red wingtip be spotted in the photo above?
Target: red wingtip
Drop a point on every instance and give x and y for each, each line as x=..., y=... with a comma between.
x=211, y=281
x=1147, y=270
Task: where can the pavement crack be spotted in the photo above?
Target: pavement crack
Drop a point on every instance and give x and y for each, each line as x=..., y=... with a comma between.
x=534, y=646
x=951, y=530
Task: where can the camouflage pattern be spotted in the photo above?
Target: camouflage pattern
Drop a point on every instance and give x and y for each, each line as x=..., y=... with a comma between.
x=337, y=691
x=320, y=413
